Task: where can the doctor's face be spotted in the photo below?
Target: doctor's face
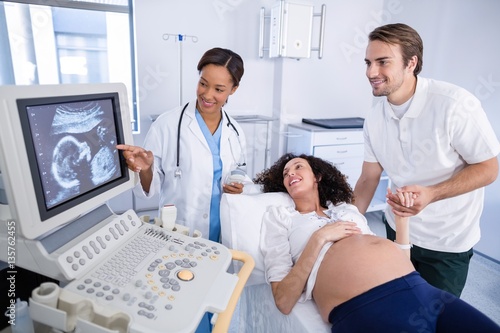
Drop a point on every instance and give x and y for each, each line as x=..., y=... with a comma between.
x=386, y=71
x=214, y=87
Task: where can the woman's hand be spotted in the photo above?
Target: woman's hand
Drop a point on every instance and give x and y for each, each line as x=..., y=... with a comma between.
x=405, y=200
x=138, y=159
x=405, y=203
x=287, y=291
x=232, y=188
x=336, y=231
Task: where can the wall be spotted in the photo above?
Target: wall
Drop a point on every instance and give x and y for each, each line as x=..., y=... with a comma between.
x=461, y=46
x=228, y=24
x=285, y=88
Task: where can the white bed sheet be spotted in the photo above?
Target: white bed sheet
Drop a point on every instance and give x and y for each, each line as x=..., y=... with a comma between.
x=259, y=314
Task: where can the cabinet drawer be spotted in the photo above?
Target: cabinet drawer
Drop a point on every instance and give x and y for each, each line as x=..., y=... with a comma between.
x=352, y=176
x=347, y=163
x=338, y=137
x=351, y=167
x=339, y=151
x=351, y=171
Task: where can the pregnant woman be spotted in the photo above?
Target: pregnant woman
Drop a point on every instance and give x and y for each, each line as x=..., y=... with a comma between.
x=323, y=249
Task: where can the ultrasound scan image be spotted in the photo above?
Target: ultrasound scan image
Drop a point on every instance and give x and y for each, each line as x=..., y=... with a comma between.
x=75, y=145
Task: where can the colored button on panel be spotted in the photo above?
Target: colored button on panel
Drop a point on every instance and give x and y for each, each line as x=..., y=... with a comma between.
x=185, y=275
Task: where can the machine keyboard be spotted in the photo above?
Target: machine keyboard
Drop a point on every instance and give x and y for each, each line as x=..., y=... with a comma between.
x=124, y=265
x=159, y=278
x=82, y=256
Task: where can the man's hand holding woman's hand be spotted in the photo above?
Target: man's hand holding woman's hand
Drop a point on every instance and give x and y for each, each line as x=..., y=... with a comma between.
x=403, y=203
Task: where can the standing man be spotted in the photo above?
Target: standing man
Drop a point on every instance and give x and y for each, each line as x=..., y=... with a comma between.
x=432, y=138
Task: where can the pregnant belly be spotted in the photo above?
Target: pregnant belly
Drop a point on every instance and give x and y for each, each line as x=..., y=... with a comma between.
x=354, y=265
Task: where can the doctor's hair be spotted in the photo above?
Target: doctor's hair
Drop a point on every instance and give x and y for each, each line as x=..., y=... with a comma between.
x=332, y=184
x=225, y=58
x=406, y=37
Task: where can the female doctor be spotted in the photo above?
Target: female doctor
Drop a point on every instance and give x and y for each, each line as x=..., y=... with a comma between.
x=189, y=151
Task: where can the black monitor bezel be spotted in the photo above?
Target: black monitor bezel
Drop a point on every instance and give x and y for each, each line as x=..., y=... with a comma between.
x=22, y=106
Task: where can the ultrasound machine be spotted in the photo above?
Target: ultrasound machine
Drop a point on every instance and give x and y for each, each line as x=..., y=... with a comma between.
x=58, y=168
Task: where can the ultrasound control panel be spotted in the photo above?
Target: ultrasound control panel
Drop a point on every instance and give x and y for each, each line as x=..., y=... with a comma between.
x=159, y=277
x=80, y=257
x=161, y=281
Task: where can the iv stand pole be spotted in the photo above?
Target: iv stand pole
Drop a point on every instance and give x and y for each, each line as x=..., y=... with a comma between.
x=180, y=38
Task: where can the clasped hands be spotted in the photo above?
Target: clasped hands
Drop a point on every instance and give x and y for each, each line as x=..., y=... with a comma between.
x=408, y=200
x=403, y=204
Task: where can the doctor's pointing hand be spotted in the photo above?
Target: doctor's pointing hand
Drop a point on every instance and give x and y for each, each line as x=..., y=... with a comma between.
x=141, y=160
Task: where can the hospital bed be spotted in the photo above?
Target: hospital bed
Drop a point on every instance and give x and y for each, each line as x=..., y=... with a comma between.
x=241, y=217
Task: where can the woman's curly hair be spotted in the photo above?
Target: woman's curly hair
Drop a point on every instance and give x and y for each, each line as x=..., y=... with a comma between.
x=332, y=184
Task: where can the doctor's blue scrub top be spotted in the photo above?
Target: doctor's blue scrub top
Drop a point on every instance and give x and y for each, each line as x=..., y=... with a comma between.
x=214, y=144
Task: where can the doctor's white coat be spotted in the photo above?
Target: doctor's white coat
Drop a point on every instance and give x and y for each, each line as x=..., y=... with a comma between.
x=192, y=192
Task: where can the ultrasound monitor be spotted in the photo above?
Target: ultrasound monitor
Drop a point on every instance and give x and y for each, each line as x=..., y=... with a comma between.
x=58, y=156
x=58, y=167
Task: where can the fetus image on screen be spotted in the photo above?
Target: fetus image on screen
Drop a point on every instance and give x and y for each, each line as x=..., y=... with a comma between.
x=75, y=145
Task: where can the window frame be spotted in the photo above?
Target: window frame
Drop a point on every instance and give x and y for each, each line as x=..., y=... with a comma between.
x=104, y=7
x=78, y=4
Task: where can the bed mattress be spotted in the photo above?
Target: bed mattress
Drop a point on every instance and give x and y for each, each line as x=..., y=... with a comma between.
x=258, y=313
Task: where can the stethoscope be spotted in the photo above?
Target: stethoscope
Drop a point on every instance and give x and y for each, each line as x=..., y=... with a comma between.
x=178, y=171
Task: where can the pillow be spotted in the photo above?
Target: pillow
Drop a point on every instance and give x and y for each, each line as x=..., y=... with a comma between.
x=241, y=220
